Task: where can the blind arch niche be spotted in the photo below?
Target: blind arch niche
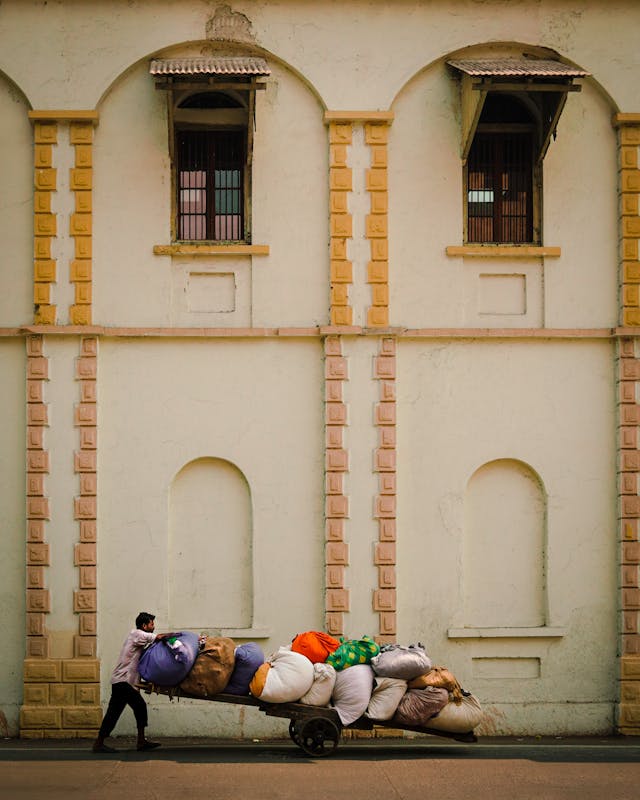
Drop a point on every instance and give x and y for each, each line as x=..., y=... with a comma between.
x=505, y=547
x=210, y=575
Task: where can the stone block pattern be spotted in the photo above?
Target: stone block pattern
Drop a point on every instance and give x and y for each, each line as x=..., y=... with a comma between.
x=340, y=185
x=629, y=540
x=81, y=222
x=629, y=186
x=376, y=228
x=336, y=500
x=38, y=510
x=45, y=136
x=86, y=468
x=384, y=464
x=61, y=698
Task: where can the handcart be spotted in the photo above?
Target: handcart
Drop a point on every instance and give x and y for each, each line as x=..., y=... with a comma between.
x=315, y=729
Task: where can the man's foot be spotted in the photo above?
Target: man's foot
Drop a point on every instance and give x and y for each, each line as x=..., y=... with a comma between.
x=147, y=745
x=103, y=748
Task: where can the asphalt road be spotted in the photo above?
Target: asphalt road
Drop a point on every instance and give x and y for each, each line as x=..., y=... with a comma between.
x=423, y=769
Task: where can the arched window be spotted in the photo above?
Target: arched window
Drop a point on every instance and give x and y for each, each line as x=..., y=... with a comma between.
x=505, y=542
x=212, y=113
x=210, y=547
x=510, y=108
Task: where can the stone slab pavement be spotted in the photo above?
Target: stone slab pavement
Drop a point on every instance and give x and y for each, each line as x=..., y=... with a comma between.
x=596, y=768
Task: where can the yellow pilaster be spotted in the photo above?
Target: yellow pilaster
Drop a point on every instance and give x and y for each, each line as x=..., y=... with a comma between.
x=81, y=221
x=376, y=230
x=340, y=185
x=45, y=137
x=628, y=126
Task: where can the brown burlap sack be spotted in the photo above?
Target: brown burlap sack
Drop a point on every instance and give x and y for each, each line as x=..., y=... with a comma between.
x=212, y=668
x=441, y=678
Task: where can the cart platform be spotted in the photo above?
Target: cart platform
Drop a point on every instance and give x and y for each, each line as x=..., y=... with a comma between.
x=315, y=729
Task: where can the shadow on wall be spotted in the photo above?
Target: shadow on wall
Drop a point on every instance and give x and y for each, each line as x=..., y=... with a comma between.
x=505, y=546
x=210, y=547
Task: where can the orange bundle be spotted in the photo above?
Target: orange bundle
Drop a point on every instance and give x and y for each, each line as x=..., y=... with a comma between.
x=441, y=678
x=315, y=645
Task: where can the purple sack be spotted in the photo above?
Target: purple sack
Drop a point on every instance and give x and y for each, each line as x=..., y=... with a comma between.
x=167, y=662
x=249, y=657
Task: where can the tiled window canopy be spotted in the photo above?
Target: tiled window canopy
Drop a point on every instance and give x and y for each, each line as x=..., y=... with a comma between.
x=546, y=82
x=168, y=70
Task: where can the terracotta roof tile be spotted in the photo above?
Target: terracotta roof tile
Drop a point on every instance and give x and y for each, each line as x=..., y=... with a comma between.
x=516, y=67
x=236, y=65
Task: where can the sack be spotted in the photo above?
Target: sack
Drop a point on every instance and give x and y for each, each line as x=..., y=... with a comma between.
x=418, y=706
x=441, y=678
x=324, y=679
x=248, y=657
x=353, y=651
x=398, y=661
x=315, y=645
x=458, y=717
x=167, y=661
x=385, y=698
x=286, y=677
x=212, y=668
x=352, y=692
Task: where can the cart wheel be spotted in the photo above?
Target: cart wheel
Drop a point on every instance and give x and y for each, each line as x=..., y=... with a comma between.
x=294, y=732
x=318, y=736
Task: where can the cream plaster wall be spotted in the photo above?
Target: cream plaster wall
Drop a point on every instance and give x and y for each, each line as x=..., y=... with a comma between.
x=16, y=207
x=132, y=286
x=452, y=419
x=361, y=529
x=302, y=34
x=504, y=547
x=425, y=183
x=252, y=403
x=290, y=200
x=132, y=202
x=580, y=215
x=12, y=530
x=62, y=486
x=257, y=403
x=209, y=512
x=429, y=288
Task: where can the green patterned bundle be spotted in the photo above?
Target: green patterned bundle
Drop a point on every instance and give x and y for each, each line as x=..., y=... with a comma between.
x=352, y=652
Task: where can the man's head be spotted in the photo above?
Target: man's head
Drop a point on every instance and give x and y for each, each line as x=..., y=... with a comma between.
x=145, y=621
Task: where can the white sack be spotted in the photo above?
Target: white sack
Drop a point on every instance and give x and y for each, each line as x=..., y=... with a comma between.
x=387, y=693
x=290, y=677
x=324, y=678
x=352, y=692
x=455, y=718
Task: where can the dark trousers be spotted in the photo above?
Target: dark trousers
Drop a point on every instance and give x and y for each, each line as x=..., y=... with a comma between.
x=123, y=694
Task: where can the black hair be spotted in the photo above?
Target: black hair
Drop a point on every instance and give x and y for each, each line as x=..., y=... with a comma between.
x=144, y=618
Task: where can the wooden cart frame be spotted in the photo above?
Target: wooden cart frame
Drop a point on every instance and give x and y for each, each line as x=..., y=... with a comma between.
x=315, y=729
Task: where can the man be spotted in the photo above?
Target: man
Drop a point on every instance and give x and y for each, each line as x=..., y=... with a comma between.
x=123, y=680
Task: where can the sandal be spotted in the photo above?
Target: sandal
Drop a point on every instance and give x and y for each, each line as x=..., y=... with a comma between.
x=103, y=748
x=148, y=745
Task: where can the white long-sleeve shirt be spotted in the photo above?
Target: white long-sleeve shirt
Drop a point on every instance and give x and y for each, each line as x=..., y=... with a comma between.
x=126, y=670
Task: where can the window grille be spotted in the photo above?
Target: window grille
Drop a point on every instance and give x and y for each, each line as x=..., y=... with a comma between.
x=211, y=185
x=500, y=188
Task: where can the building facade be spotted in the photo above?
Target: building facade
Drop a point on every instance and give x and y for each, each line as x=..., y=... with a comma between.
x=322, y=316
